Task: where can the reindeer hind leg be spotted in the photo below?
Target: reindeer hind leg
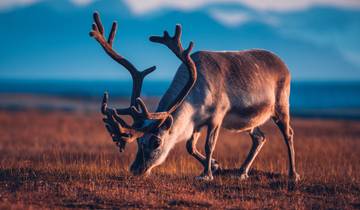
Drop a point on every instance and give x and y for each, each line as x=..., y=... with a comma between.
x=258, y=141
x=282, y=120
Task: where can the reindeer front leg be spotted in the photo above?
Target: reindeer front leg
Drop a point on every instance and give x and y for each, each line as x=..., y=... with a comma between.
x=211, y=138
x=192, y=150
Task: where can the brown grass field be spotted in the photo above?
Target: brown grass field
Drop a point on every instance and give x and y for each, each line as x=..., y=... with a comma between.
x=67, y=160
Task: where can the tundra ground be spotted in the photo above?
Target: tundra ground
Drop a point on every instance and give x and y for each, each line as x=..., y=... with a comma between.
x=67, y=160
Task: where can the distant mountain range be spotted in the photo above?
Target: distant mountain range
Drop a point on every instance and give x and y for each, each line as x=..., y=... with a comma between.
x=49, y=40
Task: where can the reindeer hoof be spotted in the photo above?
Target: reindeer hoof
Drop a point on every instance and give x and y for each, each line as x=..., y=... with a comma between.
x=244, y=176
x=215, y=166
x=294, y=177
x=206, y=178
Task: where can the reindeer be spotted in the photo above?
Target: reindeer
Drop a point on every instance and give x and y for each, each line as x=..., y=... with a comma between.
x=237, y=90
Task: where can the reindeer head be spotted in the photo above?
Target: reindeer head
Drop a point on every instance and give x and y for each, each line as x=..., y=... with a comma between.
x=150, y=129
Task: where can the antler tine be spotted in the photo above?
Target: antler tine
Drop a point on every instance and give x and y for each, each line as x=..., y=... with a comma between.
x=112, y=33
x=144, y=113
x=98, y=23
x=148, y=71
x=112, y=112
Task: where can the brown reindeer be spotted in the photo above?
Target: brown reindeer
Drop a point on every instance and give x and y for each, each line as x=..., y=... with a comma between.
x=238, y=90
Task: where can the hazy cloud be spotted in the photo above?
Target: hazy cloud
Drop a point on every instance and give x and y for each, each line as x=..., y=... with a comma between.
x=230, y=18
x=145, y=6
x=234, y=18
x=10, y=4
x=82, y=2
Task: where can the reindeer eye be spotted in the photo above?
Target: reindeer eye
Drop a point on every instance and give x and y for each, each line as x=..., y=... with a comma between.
x=126, y=135
x=155, y=142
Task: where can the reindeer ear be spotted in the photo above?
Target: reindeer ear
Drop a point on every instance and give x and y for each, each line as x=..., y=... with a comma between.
x=168, y=123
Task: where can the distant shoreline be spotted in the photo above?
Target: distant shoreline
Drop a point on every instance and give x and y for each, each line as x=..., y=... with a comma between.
x=50, y=103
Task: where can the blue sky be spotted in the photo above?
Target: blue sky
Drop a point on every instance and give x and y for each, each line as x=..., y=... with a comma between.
x=43, y=39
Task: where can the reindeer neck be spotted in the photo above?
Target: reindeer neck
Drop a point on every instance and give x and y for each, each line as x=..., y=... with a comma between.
x=183, y=124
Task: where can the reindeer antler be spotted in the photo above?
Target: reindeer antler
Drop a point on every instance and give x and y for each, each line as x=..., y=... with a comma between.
x=119, y=130
x=137, y=76
x=174, y=44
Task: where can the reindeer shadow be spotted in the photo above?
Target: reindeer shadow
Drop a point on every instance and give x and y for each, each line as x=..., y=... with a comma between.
x=257, y=180
x=255, y=174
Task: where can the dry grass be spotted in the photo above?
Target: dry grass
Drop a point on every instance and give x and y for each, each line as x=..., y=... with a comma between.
x=67, y=160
